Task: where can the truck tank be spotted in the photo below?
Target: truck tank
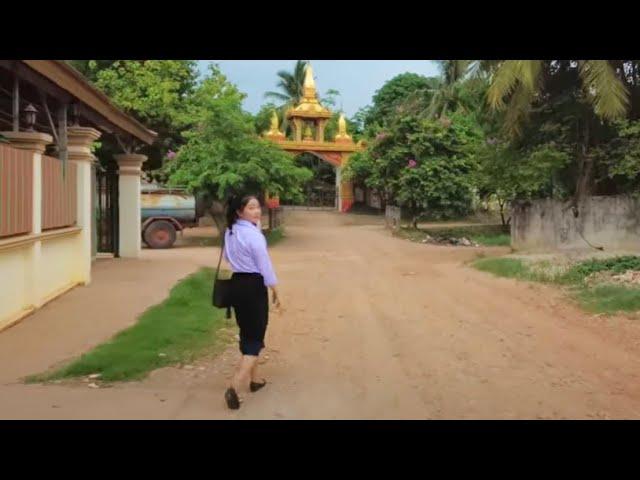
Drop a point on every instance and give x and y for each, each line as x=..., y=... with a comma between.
x=165, y=202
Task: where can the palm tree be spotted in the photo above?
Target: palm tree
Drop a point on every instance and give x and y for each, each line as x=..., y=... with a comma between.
x=291, y=89
x=449, y=95
x=290, y=84
x=516, y=84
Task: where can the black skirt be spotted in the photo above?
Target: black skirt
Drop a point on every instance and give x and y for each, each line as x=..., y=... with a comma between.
x=250, y=302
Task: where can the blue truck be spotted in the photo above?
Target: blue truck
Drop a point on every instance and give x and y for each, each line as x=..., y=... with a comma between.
x=164, y=212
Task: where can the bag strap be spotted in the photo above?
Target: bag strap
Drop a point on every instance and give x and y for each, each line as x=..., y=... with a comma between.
x=228, y=312
x=221, y=252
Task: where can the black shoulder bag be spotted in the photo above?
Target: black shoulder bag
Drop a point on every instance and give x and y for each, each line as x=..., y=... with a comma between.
x=221, y=296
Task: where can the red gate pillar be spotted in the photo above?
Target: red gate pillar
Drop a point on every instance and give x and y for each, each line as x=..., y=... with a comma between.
x=272, y=203
x=346, y=196
x=346, y=188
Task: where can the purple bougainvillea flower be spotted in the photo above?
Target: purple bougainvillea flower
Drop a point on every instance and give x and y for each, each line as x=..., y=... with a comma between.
x=412, y=163
x=171, y=154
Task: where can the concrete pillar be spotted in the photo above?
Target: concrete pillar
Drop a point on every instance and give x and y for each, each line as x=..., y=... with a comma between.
x=298, y=126
x=130, y=166
x=36, y=142
x=320, y=128
x=79, y=141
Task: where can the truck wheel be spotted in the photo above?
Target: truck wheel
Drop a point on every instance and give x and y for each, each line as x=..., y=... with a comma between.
x=160, y=234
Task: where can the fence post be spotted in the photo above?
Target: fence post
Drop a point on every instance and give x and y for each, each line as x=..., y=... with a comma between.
x=79, y=141
x=129, y=169
x=36, y=143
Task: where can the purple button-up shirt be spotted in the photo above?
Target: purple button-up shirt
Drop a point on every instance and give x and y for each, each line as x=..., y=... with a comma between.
x=246, y=250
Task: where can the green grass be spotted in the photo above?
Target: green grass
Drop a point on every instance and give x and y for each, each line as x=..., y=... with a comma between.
x=603, y=298
x=614, y=264
x=496, y=240
x=504, y=267
x=610, y=299
x=179, y=329
x=275, y=236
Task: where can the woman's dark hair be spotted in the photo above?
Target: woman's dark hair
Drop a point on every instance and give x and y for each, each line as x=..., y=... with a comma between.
x=234, y=204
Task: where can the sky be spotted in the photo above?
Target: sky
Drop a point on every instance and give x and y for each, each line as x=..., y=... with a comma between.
x=356, y=80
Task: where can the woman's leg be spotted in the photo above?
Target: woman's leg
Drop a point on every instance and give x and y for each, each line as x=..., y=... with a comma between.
x=254, y=373
x=244, y=373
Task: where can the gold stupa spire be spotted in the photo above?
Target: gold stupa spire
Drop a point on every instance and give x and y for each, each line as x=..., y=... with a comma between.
x=309, y=86
x=342, y=129
x=274, y=131
x=309, y=107
x=274, y=121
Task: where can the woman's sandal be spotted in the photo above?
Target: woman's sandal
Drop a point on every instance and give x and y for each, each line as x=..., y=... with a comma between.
x=254, y=386
x=233, y=401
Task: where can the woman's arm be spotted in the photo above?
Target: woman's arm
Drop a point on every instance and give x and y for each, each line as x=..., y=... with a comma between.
x=265, y=267
x=276, y=296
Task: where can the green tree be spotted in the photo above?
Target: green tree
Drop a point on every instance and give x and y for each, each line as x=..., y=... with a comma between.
x=223, y=154
x=291, y=85
x=358, y=121
x=90, y=68
x=426, y=166
x=262, y=119
x=572, y=103
x=620, y=158
x=459, y=90
x=330, y=98
x=156, y=92
x=515, y=84
x=507, y=175
x=394, y=93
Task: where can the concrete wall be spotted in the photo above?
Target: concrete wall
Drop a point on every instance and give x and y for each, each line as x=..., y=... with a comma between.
x=39, y=266
x=37, y=269
x=14, y=283
x=61, y=266
x=373, y=199
x=611, y=222
x=368, y=197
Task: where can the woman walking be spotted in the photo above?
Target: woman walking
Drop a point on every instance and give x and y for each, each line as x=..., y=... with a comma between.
x=246, y=251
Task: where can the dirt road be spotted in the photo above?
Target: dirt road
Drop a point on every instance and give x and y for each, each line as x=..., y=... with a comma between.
x=380, y=328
